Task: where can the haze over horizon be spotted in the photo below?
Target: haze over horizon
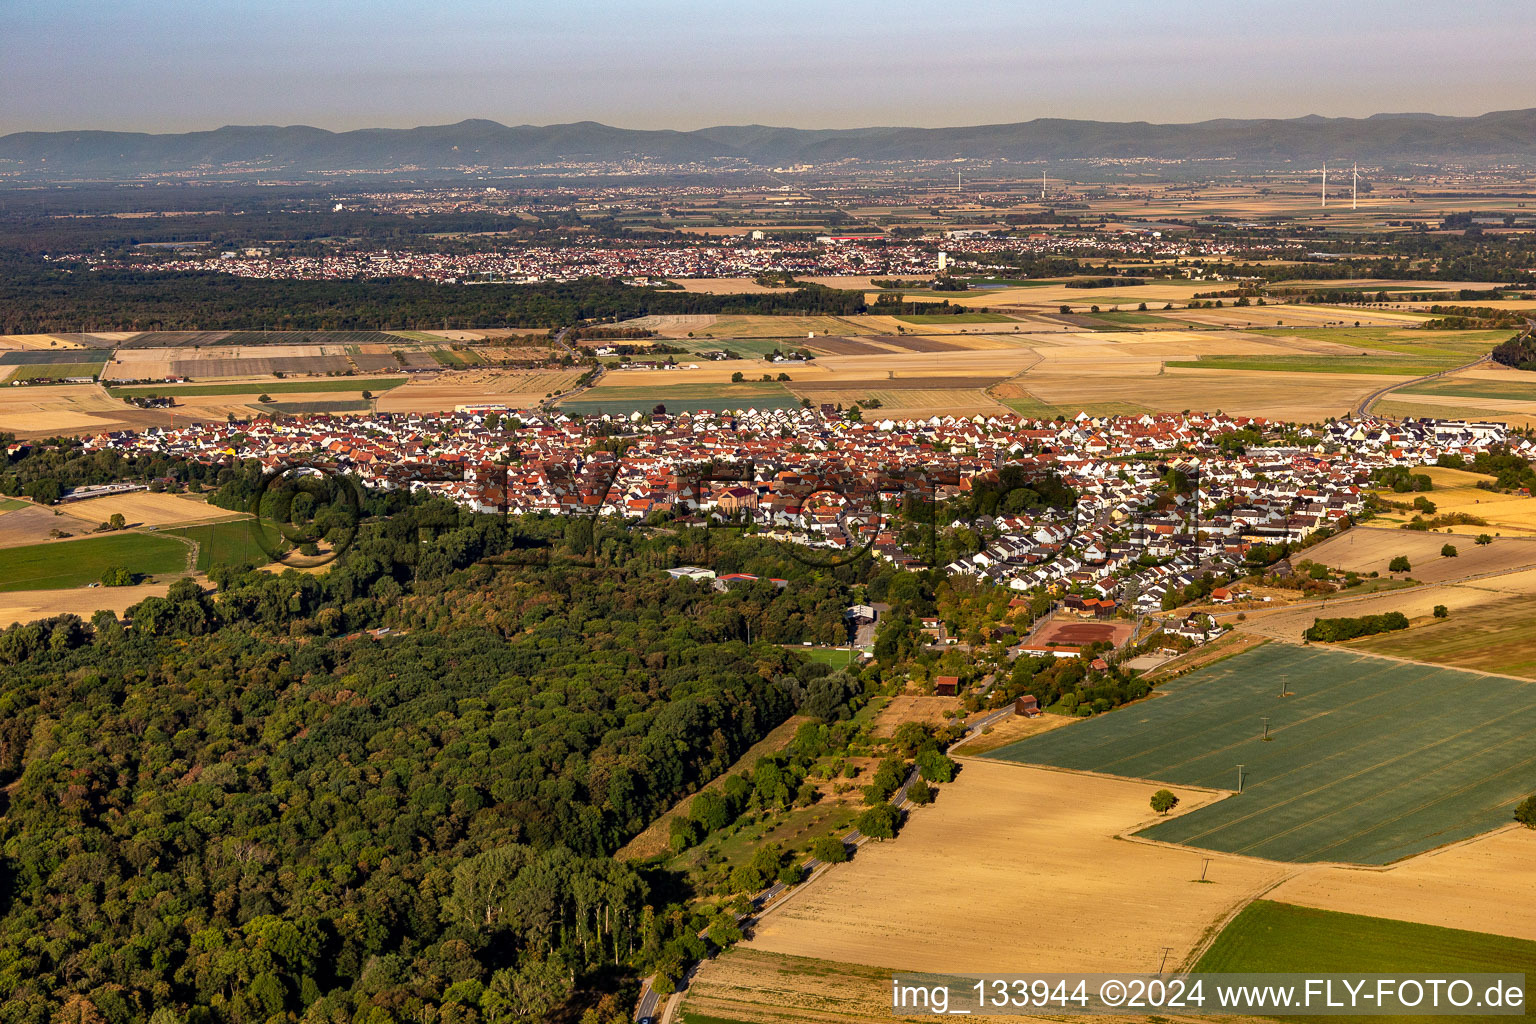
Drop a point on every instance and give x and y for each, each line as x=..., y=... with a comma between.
x=174, y=66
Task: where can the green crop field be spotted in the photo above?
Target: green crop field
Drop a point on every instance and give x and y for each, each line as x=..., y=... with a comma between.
x=12, y=504
x=683, y=398
x=1454, y=388
x=956, y=318
x=269, y=387
x=741, y=346
x=57, y=371
x=1280, y=938
x=1399, y=351
x=74, y=563
x=228, y=543
x=1369, y=760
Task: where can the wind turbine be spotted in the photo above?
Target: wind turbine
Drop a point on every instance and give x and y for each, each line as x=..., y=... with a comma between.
x=1325, y=186
x=1354, y=190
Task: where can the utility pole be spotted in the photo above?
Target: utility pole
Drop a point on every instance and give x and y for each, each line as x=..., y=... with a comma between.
x=1240, y=777
x=1266, y=727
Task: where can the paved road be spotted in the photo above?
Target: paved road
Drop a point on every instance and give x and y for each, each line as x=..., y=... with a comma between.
x=1363, y=407
x=597, y=372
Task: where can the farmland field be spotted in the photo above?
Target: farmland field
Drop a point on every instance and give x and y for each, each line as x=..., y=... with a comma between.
x=912, y=903
x=270, y=387
x=74, y=563
x=1482, y=885
x=228, y=543
x=683, y=397
x=956, y=318
x=1356, y=769
x=1499, y=636
x=58, y=371
x=1269, y=936
x=775, y=327
x=145, y=508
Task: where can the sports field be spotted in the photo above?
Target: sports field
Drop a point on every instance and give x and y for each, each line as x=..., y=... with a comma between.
x=1369, y=760
x=1279, y=937
x=75, y=563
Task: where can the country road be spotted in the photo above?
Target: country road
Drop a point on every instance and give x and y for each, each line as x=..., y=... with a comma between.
x=1363, y=407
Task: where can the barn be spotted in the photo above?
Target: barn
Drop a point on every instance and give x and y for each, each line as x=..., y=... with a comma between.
x=946, y=686
x=1027, y=705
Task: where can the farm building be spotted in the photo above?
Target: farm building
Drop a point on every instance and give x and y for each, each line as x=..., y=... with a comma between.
x=946, y=686
x=1027, y=705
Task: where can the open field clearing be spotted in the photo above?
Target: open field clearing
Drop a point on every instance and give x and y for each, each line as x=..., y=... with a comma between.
x=1019, y=837
x=146, y=508
x=516, y=388
x=682, y=397
x=1497, y=636
x=31, y=605
x=1367, y=549
x=75, y=563
x=1355, y=770
x=276, y=386
x=1484, y=885
x=1271, y=936
x=904, y=708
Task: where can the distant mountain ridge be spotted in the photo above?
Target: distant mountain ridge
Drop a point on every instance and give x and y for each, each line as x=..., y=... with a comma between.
x=1380, y=138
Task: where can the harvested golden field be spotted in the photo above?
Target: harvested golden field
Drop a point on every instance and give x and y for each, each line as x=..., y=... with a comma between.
x=1487, y=884
x=28, y=341
x=755, y=987
x=909, y=403
x=38, y=411
x=1367, y=549
x=517, y=388
x=1417, y=603
x=1456, y=492
x=1022, y=836
x=1498, y=635
x=33, y=524
x=145, y=508
x=27, y=605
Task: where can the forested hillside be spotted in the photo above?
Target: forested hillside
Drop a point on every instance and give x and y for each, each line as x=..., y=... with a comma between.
x=241, y=808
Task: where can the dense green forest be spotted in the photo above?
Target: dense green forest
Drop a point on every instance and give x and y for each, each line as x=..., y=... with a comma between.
x=245, y=807
x=37, y=298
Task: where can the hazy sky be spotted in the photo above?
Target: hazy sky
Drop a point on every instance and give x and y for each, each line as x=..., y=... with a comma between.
x=174, y=65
